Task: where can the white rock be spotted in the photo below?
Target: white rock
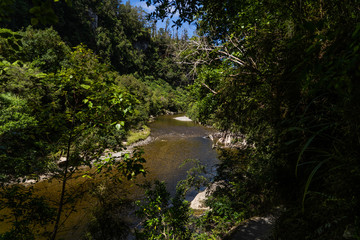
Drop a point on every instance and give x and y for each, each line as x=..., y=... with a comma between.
x=198, y=202
x=183, y=118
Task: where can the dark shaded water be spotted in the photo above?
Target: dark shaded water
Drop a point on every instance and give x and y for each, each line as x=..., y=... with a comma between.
x=174, y=142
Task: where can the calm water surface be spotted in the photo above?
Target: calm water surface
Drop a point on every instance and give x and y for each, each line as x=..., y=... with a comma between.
x=173, y=142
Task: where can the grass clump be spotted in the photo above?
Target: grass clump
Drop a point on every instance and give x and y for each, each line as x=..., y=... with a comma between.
x=138, y=135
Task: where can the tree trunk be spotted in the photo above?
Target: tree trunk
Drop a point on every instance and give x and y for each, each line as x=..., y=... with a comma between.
x=61, y=203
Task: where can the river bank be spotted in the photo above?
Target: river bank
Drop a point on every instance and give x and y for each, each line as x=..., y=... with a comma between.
x=135, y=138
x=170, y=143
x=26, y=181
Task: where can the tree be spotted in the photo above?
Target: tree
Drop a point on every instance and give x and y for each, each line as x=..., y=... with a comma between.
x=288, y=82
x=92, y=109
x=16, y=131
x=22, y=121
x=75, y=113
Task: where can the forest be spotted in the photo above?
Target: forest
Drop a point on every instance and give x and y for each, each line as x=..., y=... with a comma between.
x=77, y=77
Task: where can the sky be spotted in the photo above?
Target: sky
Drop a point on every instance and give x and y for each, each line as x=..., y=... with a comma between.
x=190, y=28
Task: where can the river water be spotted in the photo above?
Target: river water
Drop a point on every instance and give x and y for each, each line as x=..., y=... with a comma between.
x=173, y=142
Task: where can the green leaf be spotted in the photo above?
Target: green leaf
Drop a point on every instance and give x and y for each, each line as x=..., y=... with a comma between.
x=306, y=146
x=309, y=181
x=40, y=75
x=85, y=86
x=302, y=152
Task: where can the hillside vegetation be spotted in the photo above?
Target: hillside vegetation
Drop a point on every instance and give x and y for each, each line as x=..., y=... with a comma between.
x=76, y=75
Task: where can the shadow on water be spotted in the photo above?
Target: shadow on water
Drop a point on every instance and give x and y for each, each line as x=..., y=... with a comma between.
x=174, y=142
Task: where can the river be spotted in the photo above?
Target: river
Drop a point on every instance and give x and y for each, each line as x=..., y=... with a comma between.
x=173, y=142
x=176, y=141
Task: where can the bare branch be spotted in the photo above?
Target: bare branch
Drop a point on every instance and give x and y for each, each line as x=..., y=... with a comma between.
x=205, y=85
x=202, y=51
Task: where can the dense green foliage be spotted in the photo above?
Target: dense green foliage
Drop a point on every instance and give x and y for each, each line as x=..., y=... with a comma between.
x=164, y=217
x=285, y=73
x=35, y=64
x=75, y=76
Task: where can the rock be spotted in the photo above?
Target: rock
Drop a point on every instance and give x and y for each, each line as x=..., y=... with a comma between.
x=167, y=112
x=62, y=161
x=228, y=140
x=211, y=137
x=256, y=228
x=199, y=201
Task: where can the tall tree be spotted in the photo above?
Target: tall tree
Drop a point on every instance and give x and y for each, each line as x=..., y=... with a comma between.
x=284, y=73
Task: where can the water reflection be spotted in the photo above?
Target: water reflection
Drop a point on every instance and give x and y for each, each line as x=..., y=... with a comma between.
x=174, y=142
